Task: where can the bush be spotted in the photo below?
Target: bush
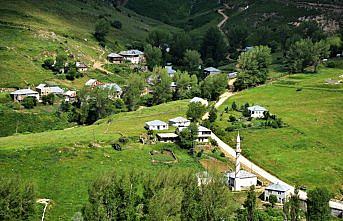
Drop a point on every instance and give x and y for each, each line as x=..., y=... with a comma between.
x=29, y=102
x=116, y=24
x=124, y=140
x=116, y=147
x=232, y=118
x=331, y=64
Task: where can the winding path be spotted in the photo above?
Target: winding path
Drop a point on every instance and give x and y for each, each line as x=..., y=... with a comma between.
x=45, y=202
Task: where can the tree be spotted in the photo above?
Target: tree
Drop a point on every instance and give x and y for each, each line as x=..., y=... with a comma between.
x=253, y=67
x=188, y=136
x=234, y=106
x=17, y=200
x=192, y=61
x=29, y=102
x=161, y=88
x=272, y=200
x=318, y=205
x=61, y=60
x=153, y=56
x=250, y=204
x=212, y=115
x=213, y=86
x=48, y=63
x=181, y=42
x=102, y=27
x=195, y=111
x=183, y=82
x=294, y=204
x=159, y=38
x=48, y=99
x=237, y=37
x=305, y=53
x=213, y=47
x=311, y=30
x=133, y=91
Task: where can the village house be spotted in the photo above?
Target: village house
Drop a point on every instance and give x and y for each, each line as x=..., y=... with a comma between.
x=115, y=58
x=173, y=86
x=156, y=125
x=134, y=56
x=44, y=90
x=232, y=75
x=117, y=91
x=240, y=179
x=179, y=122
x=92, y=83
x=170, y=70
x=257, y=111
x=204, y=134
x=199, y=100
x=211, y=71
x=282, y=192
x=81, y=67
x=19, y=95
x=167, y=137
x=69, y=96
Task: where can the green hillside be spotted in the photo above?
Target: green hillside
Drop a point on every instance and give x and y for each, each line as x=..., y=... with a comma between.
x=187, y=14
x=34, y=30
x=62, y=164
x=308, y=150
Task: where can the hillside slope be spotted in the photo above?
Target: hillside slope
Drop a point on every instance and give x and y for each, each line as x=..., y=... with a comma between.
x=33, y=30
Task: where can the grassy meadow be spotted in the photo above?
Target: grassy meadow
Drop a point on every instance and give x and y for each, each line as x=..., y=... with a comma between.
x=31, y=31
x=62, y=165
x=308, y=150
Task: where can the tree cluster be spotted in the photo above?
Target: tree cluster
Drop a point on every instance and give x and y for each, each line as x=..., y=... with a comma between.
x=17, y=200
x=171, y=195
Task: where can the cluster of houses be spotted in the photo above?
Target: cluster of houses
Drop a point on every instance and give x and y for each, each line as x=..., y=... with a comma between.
x=42, y=90
x=133, y=56
x=242, y=180
x=115, y=90
x=204, y=134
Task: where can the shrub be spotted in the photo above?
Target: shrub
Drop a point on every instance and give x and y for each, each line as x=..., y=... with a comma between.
x=331, y=64
x=116, y=24
x=116, y=147
x=232, y=118
x=29, y=102
x=124, y=140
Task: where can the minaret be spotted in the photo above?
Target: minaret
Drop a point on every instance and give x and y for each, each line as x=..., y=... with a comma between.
x=237, y=185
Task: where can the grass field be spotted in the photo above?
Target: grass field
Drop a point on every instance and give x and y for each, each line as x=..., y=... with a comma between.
x=31, y=31
x=308, y=151
x=62, y=164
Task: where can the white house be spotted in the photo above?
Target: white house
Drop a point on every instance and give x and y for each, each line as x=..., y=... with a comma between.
x=115, y=58
x=92, y=83
x=199, y=100
x=69, y=96
x=211, y=71
x=282, y=192
x=19, y=95
x=179, y=122
x=81, y=67
x=170, y=70
x=204, y=134
x=44, y=90
x=134, y=56
x=240, y=179
x=257, y=111
x=156, y=125
x=167, y=137
x=117, y=91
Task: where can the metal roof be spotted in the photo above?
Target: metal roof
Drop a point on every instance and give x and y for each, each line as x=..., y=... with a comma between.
x=278, y=187
x=257, y=108
x=242, y=174
x=212, y=69
x=111, y=86
x=155, y=123
x=114, y=55
x=131, y=53
x=167, y=135
x=24, y=91
x=90, y=82
x=179, y=120
x=57, y=90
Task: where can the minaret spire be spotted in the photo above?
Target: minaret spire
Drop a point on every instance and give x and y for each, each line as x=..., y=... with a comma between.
x=238, y=163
